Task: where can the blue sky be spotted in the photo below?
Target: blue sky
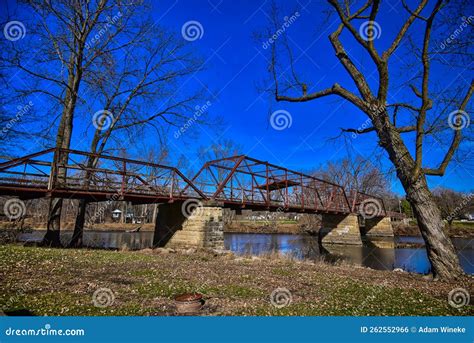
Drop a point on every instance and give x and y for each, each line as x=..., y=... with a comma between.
x=236, y=72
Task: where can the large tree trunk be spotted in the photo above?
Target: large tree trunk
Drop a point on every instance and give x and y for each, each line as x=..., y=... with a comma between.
x=77, y=236
x=59, y=175
x=52, y=237
x=76, y=241
x=63, y=140
x=441, y=252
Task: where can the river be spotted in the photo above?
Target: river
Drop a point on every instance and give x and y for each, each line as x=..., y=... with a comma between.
x=376, y=254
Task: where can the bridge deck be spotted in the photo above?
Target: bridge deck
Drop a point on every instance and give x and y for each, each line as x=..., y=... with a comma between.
x=235, y=182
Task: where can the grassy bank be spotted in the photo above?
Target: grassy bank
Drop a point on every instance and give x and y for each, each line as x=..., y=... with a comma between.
x=457, y=229
x=251, y=226
x=62, y=282
x=69, y=226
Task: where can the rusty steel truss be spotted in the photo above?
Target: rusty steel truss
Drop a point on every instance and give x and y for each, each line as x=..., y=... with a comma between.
x=238, y=182
x=82, y=175
x=245, y=182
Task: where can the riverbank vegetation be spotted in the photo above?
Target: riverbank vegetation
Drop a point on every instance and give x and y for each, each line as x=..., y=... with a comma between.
x=41, y=281
x=456, y=229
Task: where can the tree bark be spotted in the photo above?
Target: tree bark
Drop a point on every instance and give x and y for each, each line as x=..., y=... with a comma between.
x=441, y=252
x=76, y=241
x=77, y=236
x=63, y=140
x=52, y=236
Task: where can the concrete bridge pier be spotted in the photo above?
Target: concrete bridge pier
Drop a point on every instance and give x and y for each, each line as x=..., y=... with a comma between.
x=378, y=227
x=202, y=228
x=340, y=229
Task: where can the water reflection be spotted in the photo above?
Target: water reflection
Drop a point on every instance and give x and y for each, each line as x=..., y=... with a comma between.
x=101, y=239
x=377, y=254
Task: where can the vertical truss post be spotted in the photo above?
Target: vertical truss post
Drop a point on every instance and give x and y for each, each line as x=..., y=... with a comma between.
x=54, y=170
x=267, y=185
x=124, y=171
x=252, y=187
x=302, y=192
x=173, y=175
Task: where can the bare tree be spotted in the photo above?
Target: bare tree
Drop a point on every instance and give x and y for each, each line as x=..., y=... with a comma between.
x=355, y=174
x=101, y=55
x=218, y=150
x=427, y=113
x=56, y=60
x=137, y=89
x=452, y=204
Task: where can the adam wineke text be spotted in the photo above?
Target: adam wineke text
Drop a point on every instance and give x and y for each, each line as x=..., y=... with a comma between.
x=442, y=329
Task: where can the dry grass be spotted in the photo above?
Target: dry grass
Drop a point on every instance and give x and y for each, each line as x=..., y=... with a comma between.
x=61, y=282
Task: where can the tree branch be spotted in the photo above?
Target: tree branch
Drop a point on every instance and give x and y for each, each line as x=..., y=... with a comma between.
x=454, y=143
x=387, y=53
x=336, y=89
x=354, y=73
x=402, y=129
x=426, y=102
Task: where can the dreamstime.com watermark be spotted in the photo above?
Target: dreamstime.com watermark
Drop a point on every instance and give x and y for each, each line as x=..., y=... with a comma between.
x=375, y=110
x=103, y=297
x=281, y=120
x=192, y=207
x=103, y=119
x=14, y=30
x=465, y=200
x=370, y=30
x=14, y=209
x=192, y=30
x=20, y=293
x=22, y=110
x=199, y=111
x=281, y=297
x=458, y=298
x=466, y=21
x=458, y=120
x=370, y=208
x=101, y=212
x=46, y=331
x=110, y=22
x=287, y=22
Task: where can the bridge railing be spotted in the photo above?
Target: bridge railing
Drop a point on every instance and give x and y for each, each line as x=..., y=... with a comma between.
x=31, y=171
x=245, y=181
x=239, y=181
x=82, y=174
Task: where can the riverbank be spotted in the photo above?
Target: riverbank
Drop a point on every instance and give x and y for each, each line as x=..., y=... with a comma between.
x=44, y=281
x=290, y=227
x=69, y=226
x=457, y=229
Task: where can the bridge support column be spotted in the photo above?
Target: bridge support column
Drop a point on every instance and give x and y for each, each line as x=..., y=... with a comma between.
x=340, y=229
x=378, y=227
x=204, y=228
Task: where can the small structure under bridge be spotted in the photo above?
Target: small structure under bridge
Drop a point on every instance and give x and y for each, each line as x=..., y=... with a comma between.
x=192, y=212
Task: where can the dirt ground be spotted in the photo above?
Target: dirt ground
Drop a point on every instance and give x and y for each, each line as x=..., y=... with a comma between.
x=41, y=281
